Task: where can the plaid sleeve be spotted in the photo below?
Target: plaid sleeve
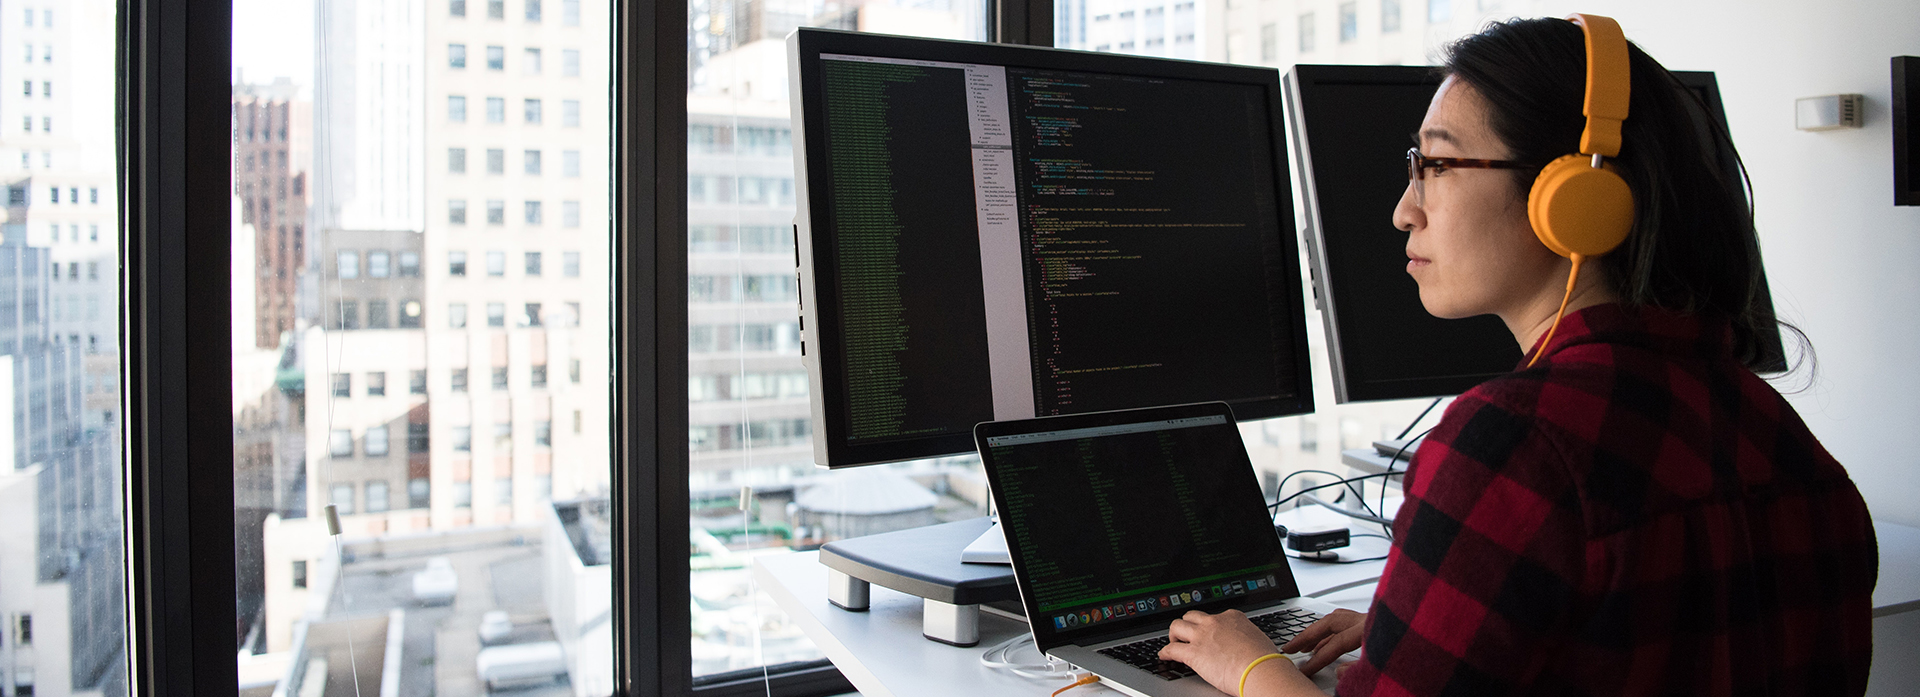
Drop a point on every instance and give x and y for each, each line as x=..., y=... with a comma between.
x=1485, y=563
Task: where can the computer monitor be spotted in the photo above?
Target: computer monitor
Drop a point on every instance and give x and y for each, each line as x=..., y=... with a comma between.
x=1349, y=126
x=990, y=232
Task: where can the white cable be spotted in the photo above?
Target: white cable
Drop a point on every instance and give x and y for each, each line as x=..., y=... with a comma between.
x=340, y=565
x=1039, y=671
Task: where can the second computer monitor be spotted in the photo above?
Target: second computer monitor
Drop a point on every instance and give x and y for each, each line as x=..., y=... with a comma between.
x=990, y=232
x=1350, y=128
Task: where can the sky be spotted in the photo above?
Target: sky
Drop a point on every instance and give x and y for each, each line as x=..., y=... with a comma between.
x=273, y=38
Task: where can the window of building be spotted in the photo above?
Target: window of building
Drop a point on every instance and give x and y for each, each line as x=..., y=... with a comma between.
x=503, y=491
x=570, y=62
x=496, y=314
x=496, y=263
x=570, y=113
x=543, y=431
x=410, y=314
x=419, y=491
x=500, y=378
x=1349, y=21
x=1439, y=11
x=570, y=264
x=1389, y=16
x=417, y=384
x=533, y=263
x=299, y=573
x=530, y=58
x=376, y=441
x=496, y=161
x=570, y=213
x=537, y=377
x=457, y=56
x=496, y=110
x=1306, y=33
x=376, y=384
x=456, y=160
x=457, y=380
x=456, y=8
x=409, y=265
x=379, y=264
x=456, y=315
x=496, y=9
x=570, y=12
x=377, y=317
x=570, y=163
x=496, y=212
x=533, y=213
x=456, y=108
x=340, y=443
x=496, y=58
x=573, y=314
x=463, y=493
x=457, y=262
x=349, y=314
x=462, y=438
x=531, y=162
x=503, y=437
x=377, y=497
x=343, y=384
x=533, y=112
x=573, y=376
x=456, y=211
x=532, y=318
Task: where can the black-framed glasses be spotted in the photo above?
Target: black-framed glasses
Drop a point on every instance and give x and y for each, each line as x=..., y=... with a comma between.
x=1418, y=164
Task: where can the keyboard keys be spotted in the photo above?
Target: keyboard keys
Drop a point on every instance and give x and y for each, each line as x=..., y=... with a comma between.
x=1279, y=626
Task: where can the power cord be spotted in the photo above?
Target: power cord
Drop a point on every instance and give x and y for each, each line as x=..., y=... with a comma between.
x=1087, y=679
x=1039, y=671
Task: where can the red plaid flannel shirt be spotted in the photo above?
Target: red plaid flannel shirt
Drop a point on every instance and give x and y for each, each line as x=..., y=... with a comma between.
x=1637, y=514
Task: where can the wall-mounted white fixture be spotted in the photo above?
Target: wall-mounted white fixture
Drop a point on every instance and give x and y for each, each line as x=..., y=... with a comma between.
x=1828, y=112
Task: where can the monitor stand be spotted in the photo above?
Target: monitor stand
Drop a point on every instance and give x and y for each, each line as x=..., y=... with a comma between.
x=925, y=563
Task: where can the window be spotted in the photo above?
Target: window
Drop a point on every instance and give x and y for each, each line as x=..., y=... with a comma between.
x=570, y=12
x=533, y=212
x=379, y=264
x=409, y=265
x=533, y=112
x=340, y=443
x=503, y=436
x=570, y=113
x=533, y=10
x=496, y=161
x=376, y=384
x=457, y=381
x=537, y=378
x=299, y=573
x=376, y=441
x=456, y=160
x=1389, y=16
x=533, y=263
x=1439, y=11
x=377, y=498
x=456, y=315
x=496, y=58
x=573, y=314
x=349, y=315
x=496, y=263
x=93, y=195
x=531, y=160
x=456, y=263
x=419, y=491
x=343, y=384
x=496, y=110
x=496, y=9
x=496, y=314
x=570, y=62
x=533, y=316
x=570, y=264
x=496, y=212
x=462, y=439
x=457, y=56
x=457, y=212
x=543, y=430
x=1306, y=33
x=570, y=213
x=457, y=8
x=93, y=269
x=416, y=384
x=1349, y=21
x=503, y=491
x=377, y=314
x=463, y=493
x=500, y=378
x=573, y=376
x=530, y=59
x=456, y=108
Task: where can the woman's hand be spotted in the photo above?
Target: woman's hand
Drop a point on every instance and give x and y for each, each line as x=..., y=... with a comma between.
x=1219, y=648
x=1335, y=634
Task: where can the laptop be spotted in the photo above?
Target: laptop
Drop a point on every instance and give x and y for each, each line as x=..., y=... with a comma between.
x=1119, y=522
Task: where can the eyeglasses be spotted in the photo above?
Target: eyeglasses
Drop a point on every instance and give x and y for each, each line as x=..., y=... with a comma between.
x=1418, y=164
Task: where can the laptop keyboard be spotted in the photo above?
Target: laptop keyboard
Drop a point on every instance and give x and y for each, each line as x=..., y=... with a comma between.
x=1145, y=654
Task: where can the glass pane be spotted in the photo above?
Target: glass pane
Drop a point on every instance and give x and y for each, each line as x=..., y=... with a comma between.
x=746, y=386
x=361, y=381
x=63, y=590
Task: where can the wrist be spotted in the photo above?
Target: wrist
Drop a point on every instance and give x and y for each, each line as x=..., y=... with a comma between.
x=1278, y=678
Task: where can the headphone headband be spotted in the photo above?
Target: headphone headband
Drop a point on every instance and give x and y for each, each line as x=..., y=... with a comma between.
x=1608, y=84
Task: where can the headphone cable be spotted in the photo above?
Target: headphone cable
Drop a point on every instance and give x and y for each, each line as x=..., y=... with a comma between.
x=1572, y=276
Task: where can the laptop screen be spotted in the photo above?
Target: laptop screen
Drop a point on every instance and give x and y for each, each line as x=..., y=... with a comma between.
x=1121, y=520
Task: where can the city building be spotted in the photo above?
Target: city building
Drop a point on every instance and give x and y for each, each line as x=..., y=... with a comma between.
x=272, y=137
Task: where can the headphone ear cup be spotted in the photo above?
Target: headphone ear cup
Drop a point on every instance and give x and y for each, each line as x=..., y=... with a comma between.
x=1576, y=209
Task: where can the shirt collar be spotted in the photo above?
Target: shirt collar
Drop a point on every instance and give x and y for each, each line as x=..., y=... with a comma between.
x=1653, y=328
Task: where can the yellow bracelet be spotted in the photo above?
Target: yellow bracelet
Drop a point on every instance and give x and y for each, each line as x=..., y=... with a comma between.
x=1249, y=670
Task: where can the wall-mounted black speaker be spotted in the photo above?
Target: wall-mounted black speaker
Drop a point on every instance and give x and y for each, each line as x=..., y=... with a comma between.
x=1906, y=131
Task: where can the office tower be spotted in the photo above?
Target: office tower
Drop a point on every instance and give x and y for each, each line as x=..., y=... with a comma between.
x=1169, y=28
x=368, y=115
x=272, y=134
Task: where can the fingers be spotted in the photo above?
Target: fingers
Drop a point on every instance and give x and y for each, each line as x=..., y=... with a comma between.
x=1308, y=638
x=1181, y=630
x=1333, y=648
x=1319, y=660
x=1178, y=651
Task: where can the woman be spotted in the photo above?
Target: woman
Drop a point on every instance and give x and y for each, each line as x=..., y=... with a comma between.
x=1636, y=512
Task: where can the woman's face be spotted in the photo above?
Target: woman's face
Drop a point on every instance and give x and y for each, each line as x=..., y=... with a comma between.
x=1470, y=246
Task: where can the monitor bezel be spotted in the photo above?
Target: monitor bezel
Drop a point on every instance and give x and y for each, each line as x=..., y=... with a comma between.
x=813, y=257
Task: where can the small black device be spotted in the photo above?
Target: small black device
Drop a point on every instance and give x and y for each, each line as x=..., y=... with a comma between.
x=1318, y=541
x=1906, y=131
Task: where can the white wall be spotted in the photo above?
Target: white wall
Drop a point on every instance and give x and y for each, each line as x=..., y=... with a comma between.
x=1840, y=256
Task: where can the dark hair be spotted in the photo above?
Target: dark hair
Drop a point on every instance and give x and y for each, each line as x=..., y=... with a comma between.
x=1693, y=247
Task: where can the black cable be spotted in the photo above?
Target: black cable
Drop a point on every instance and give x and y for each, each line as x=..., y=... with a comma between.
x=1275, y=506
x=1368, y=534
x=1396, y=458
x=1416, y=420
x=1335, y=561
x=1359, y=495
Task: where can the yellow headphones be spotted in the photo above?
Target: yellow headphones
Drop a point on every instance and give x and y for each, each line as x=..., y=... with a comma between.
x=1579, y=206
